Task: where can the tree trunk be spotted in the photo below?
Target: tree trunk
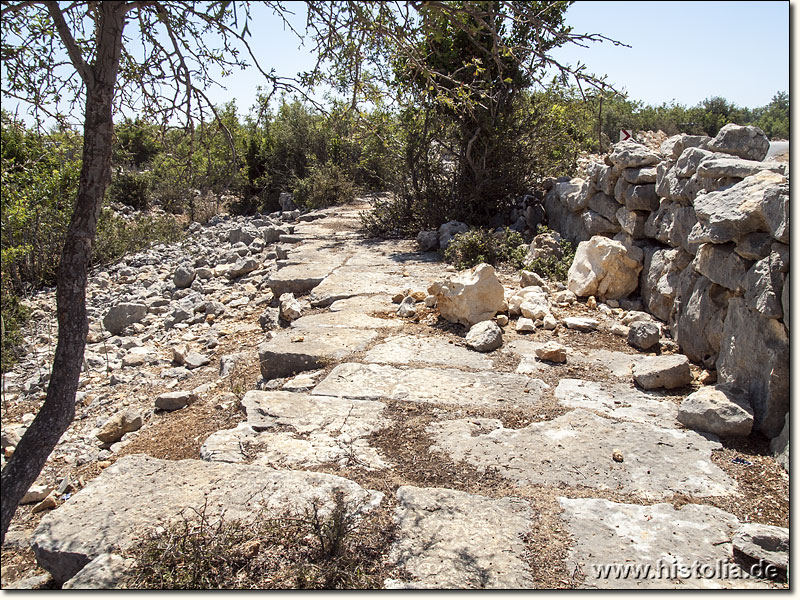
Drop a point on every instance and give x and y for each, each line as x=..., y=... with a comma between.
x=58, y=409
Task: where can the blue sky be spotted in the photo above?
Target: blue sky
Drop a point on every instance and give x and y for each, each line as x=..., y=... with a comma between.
x=682, y=51
x=688, y=51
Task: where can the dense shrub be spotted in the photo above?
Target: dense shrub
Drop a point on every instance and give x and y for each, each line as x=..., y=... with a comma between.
x=39, y=180
x=485, y=246
x=136, y=143
x=325, y=185
x=322, y=158
x=132, y=188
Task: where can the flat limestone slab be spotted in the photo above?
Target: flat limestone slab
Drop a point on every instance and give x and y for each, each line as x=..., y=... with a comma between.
x=403, y=349
x=290, y=429
x=455, y=540
x=344, y=319
x=619, y=401
x=347, y=282
x=293, y=351
x=627, y=546
x=139, y=492
x=576, y=449
x=391, y=255
x=364, y=304
x=300, y=278
x=443, y=386
x=619, y=364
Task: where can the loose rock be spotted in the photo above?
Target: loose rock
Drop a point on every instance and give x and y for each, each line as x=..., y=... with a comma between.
x=470, y=297
x=764, y=542
x=485, y=336
x=669, y=372
x=643, y=335
x=552, y=352
x=605, y=269
x=170, y=401
x=723, y=410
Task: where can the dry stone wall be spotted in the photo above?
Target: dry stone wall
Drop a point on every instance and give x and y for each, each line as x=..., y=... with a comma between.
x=710, y=218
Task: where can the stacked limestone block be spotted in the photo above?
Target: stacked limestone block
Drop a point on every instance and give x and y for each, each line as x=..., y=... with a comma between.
x=712, y=219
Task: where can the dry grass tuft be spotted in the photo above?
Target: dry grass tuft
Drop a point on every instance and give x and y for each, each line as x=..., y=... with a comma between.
x=314, y=548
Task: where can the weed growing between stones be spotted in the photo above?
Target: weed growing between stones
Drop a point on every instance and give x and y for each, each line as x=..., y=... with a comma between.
x=312, y=548
x=554, y=266
x=485, y=246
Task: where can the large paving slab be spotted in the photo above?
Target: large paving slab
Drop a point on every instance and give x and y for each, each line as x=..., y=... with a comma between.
x=454, y=540
x=292, y=351
x=443, y=386
x=628, y=546
x=390, y=255
x=381, y=303
x=576, y=449
x=302, y=277
x=618, y=364
x=293, y=429
x=139, y=492
x=349, y=281
x=345, y=319
x=617, y=400
x=404, y=349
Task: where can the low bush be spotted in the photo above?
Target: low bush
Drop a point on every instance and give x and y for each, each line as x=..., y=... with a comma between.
x=343, y=548
x=14, y=316
x=552, y=266
x=485, y=246
x=326, y=185
x=391, y=217
x=132, y=188
x=118, y=236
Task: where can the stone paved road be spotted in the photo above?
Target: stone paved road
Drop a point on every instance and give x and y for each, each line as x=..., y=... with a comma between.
x=518, y=446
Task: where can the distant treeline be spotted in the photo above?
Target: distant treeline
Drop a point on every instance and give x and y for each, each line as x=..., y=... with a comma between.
x=707, y=118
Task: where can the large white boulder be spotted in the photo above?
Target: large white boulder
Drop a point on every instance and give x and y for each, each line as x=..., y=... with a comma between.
x=469, y=297
x=605, y=269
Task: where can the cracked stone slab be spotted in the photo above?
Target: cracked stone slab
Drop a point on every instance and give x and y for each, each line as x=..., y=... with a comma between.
x=364, y=304
x=293, y=351
x=618, y=401
x=347, y=282
x=301, y=278
x=403, y=349
x=619, y=364
x=290, y=429
x=443, y=386
x=344, y=319
x=455, y=540
x=651, y=539
x=139, y=492
x=576, y=449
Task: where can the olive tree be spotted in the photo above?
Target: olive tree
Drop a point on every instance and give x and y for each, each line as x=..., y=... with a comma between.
x=90, y=60
x=460, y=75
